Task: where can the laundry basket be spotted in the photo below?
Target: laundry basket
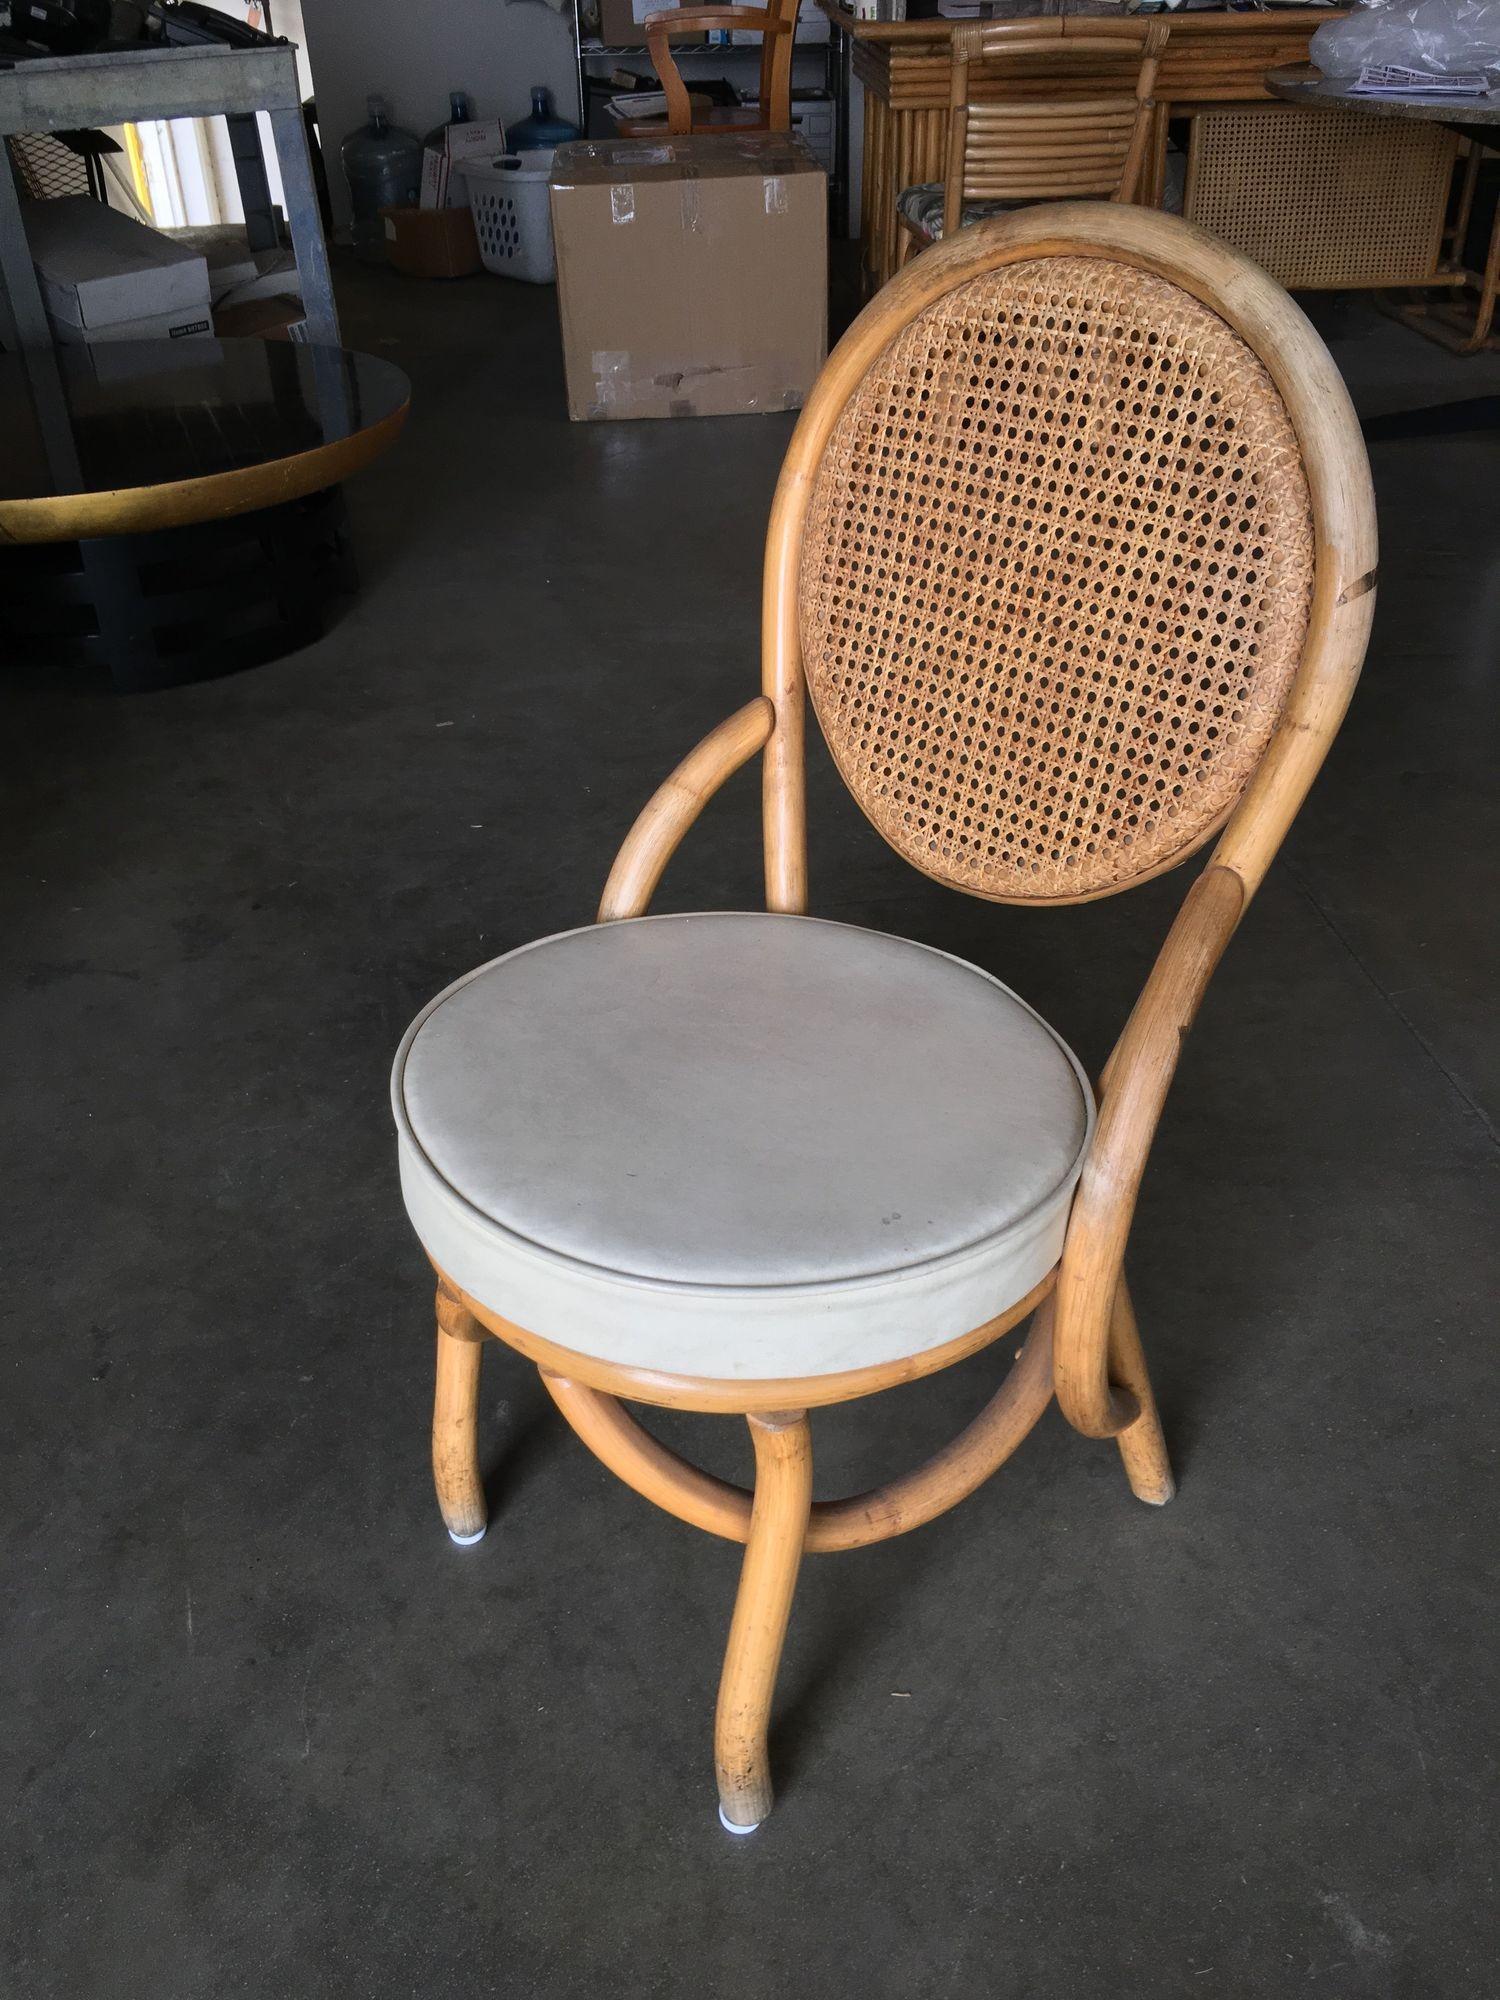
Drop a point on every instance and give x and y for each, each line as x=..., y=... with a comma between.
x=513, y=215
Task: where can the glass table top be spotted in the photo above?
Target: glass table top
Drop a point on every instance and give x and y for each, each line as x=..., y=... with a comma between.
x=130, y=415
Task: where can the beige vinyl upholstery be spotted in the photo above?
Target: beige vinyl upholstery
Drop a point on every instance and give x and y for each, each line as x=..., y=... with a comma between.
x=739, y=1145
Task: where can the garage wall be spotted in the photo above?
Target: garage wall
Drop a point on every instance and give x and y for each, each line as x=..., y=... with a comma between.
x=413, y=54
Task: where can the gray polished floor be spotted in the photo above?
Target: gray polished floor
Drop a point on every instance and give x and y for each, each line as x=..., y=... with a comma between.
x=267, y=1733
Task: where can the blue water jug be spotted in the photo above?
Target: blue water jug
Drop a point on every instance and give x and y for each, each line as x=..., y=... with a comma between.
x=543, y=129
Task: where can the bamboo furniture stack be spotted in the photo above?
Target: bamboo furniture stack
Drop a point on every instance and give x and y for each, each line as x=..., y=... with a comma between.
x=905, y=68
x=1083, y=144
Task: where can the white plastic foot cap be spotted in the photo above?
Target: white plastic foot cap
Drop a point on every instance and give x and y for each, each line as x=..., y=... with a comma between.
x=729, y=1825
x=467, y=1541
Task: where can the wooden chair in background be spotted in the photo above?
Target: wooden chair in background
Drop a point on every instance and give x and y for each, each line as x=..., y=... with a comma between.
x=1074, y=552
x=685, y=114
x=1089, y=135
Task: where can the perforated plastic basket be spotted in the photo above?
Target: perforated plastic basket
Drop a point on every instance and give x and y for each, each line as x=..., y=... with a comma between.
x=513, y=215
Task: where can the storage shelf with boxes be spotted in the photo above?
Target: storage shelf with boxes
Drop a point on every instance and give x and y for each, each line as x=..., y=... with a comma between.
x=726, y=62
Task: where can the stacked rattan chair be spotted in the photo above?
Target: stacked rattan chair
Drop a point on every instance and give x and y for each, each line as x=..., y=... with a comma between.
x=1039, y=111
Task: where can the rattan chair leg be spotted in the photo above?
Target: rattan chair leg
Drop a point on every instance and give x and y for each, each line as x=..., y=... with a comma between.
x=455, y=1420
x=778, y=1528
x=1143, y=1449
x=909, y=240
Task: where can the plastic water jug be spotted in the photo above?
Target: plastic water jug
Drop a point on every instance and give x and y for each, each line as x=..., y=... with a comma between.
x=383, y=166
x=458, y=114
x=543, y=129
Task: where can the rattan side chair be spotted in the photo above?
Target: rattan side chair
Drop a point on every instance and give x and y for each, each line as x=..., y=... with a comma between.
x=776, y=23
x=1075, y=119
x=1074, y=552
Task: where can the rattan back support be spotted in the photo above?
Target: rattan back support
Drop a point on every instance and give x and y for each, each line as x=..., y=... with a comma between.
x=1087, y=136
x=1074, y=504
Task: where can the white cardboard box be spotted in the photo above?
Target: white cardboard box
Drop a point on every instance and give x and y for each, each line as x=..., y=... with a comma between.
x=443, y=184
x=183, y=324
x=813, y=28
x=434, y=183
x=99, y=269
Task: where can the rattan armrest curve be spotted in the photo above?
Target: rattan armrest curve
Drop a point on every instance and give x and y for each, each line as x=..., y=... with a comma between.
x=1135, y=1084
x=676, y=803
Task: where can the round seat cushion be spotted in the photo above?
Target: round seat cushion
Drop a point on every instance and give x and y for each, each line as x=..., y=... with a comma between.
x=738, y=1146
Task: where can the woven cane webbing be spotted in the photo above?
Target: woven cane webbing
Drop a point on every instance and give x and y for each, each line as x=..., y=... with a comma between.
x=1322, y=197
x=1055, y=579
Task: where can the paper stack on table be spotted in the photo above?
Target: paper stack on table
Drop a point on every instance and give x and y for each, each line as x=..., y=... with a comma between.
x=1391, y=80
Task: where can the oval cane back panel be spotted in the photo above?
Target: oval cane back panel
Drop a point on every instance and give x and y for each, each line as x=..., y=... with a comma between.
x=1055, y=579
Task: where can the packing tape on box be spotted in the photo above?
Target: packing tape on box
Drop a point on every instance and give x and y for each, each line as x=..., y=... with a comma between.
x=691, y=210
x=608, y=366
x=622, y=202
x=775, y=190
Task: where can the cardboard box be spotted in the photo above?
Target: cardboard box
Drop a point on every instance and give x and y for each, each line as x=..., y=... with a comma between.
x=442, y=166
x=105, y=276
x=197, y=323
x=622, y=24
x=692, y=274
x=433, y=186
x=431, y=243
x=812, y=26
x=812, y=120
x=483, y=138
x=260, y=319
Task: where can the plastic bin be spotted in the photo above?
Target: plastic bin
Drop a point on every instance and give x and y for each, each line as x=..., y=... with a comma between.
x=513, y=215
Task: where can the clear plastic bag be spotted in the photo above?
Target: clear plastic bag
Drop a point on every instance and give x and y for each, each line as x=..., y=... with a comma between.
x=1439, y=36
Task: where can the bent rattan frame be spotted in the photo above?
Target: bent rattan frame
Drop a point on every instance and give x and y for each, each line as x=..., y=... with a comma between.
x=1083, y=1345
x=776, y=23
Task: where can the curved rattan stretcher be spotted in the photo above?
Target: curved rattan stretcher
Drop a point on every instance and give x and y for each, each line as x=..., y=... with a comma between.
x=1073, y=551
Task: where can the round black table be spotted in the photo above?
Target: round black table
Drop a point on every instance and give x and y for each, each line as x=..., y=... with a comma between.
x=172, y=508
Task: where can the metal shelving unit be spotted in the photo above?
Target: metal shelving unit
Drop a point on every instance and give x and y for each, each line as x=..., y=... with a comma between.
x=827, y=54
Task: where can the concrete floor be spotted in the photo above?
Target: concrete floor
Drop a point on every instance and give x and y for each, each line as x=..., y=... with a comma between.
x=267, y=1733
